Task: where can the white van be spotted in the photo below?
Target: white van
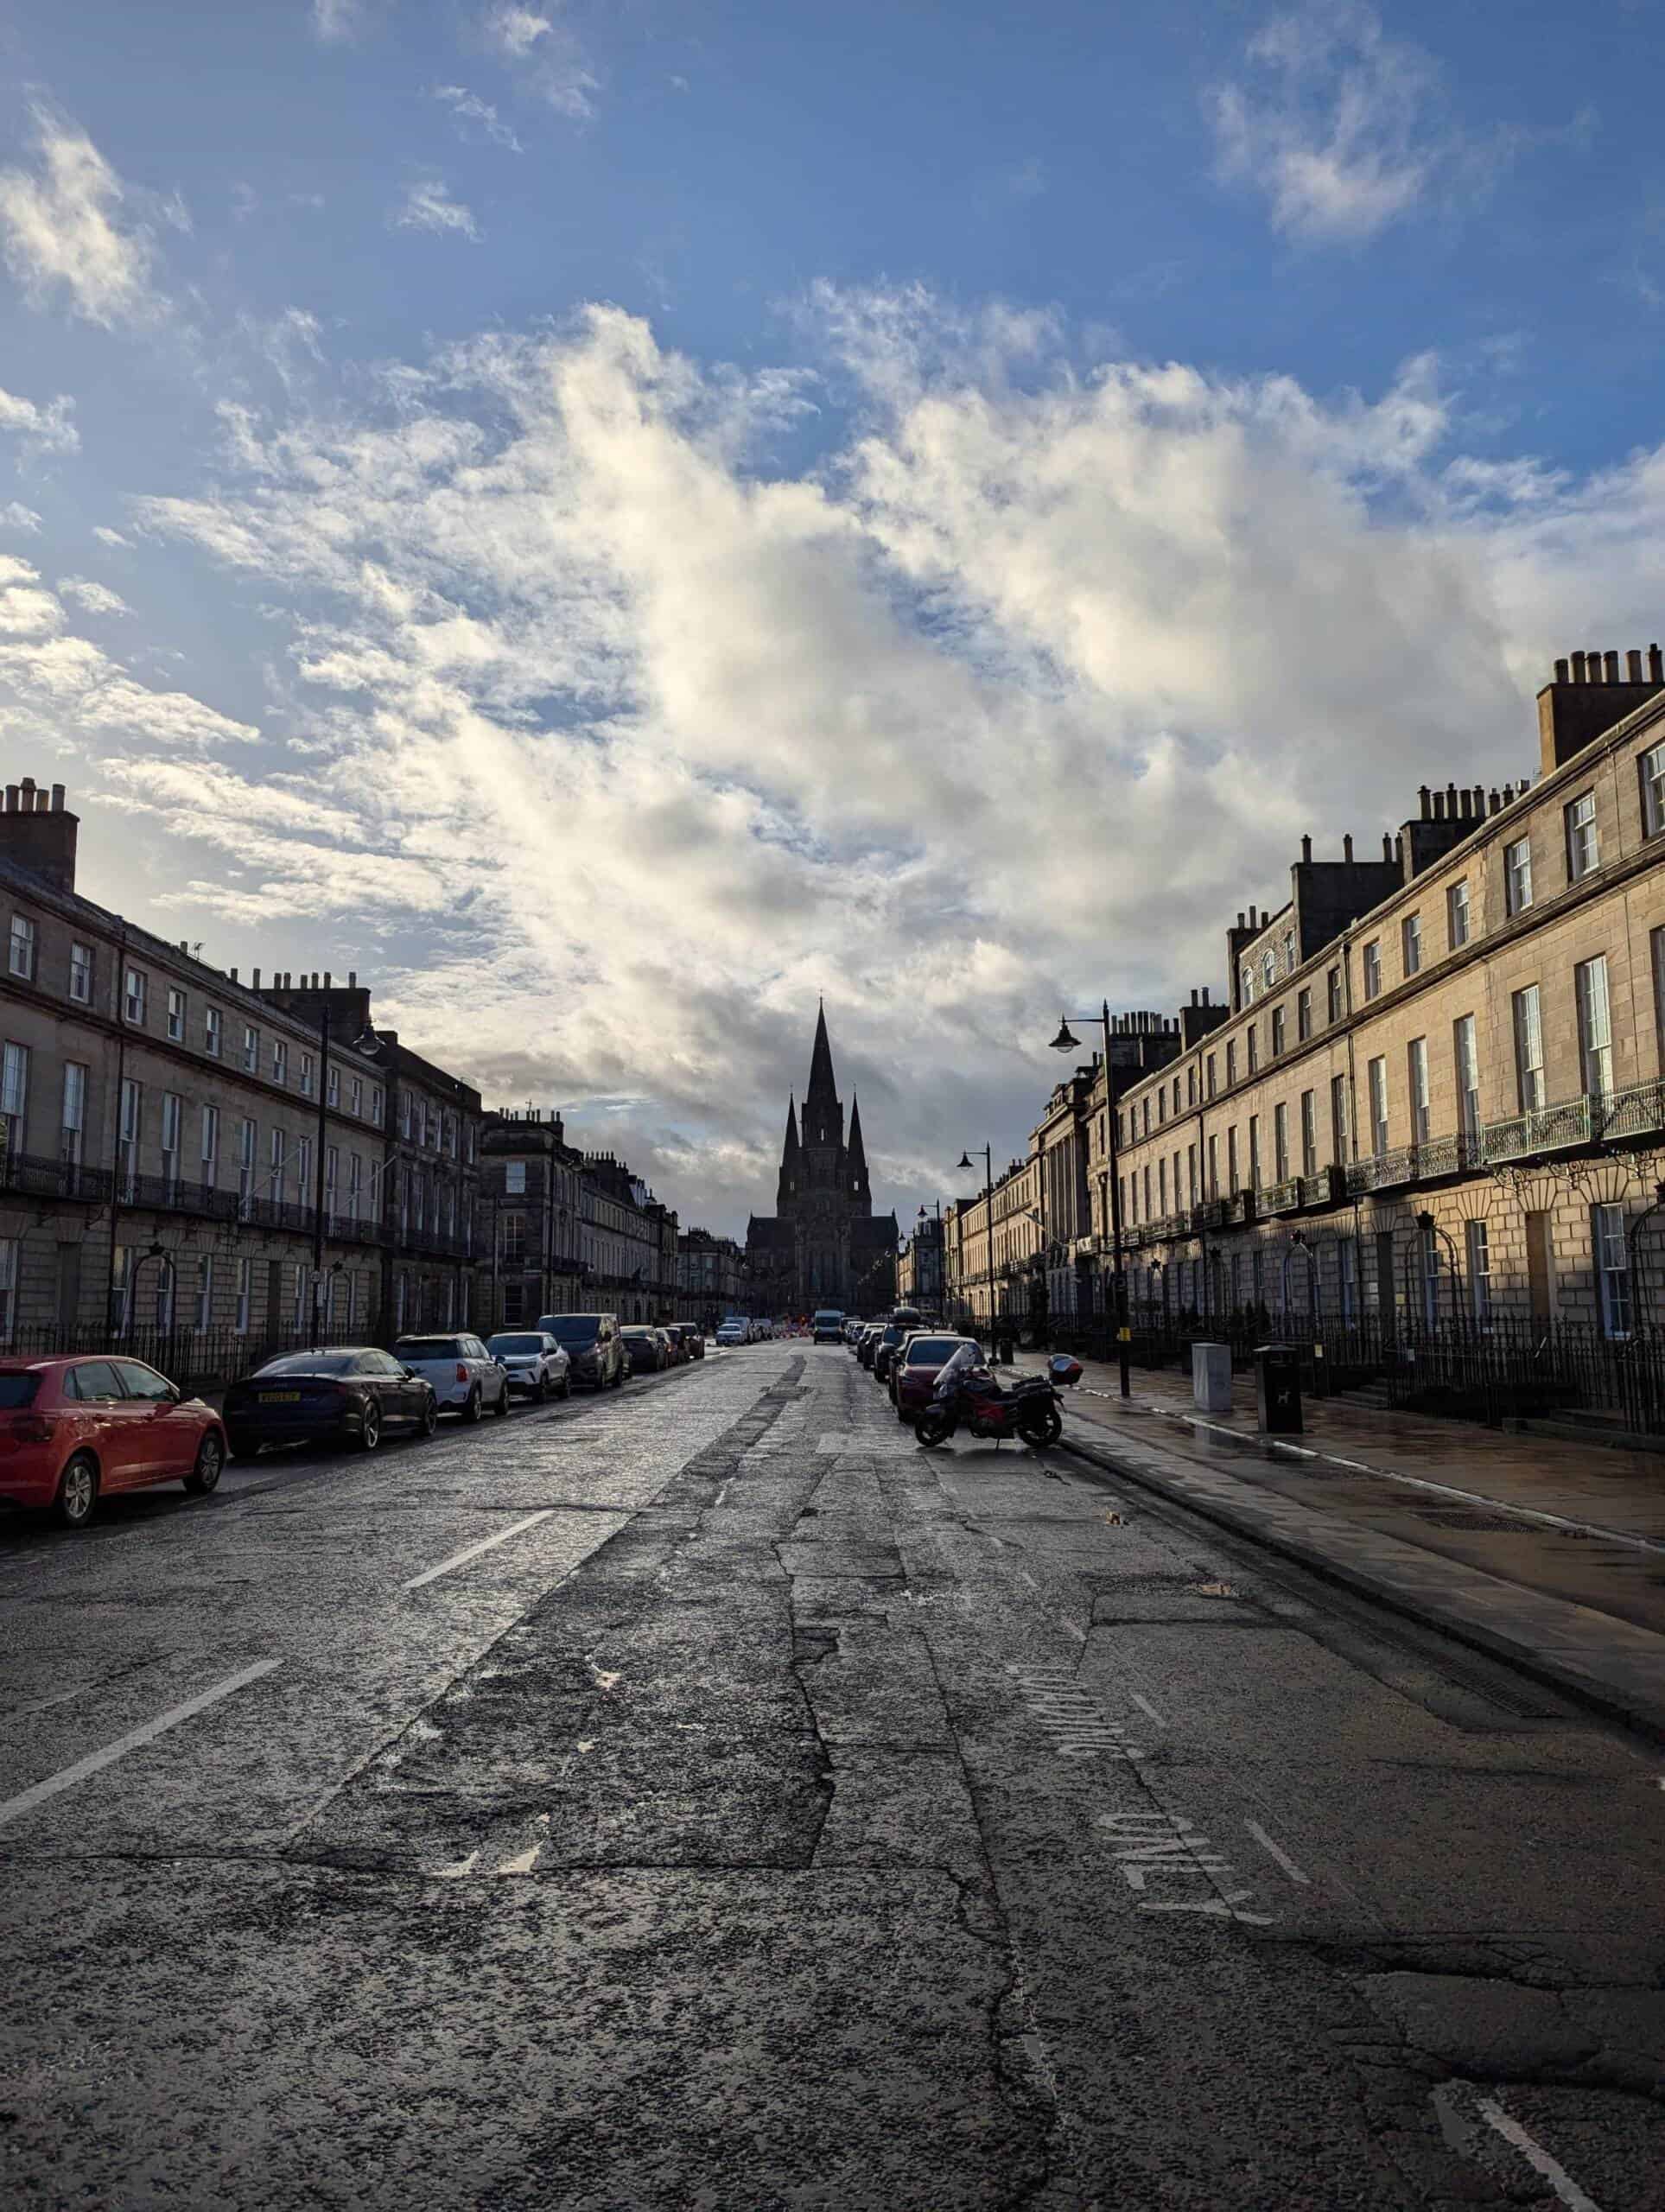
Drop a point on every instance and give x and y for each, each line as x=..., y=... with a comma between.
x=827, y=1325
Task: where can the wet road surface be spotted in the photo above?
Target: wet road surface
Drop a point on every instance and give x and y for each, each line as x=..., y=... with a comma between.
x=702, y=1798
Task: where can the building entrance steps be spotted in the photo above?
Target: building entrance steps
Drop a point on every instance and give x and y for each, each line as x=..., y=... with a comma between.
x=1548, y=1555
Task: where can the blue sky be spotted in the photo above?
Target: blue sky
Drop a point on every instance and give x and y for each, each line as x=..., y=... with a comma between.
x=617, y=520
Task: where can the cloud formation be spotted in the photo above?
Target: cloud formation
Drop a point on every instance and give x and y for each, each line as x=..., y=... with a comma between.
x=636, y=741
x=547, y=54
x=468, y=107
x=14, y=515
x=73, y=232
x=428, y=205
x=42, y=429
x=1343, y=129
x=96, y=598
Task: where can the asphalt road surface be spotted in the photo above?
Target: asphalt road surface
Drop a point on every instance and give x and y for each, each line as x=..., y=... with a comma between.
x=702, y=1798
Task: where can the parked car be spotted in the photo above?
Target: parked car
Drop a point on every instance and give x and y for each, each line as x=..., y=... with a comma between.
x=693, y=1337
x=676, y=1337
x=866, y=1341
x=731, y=1332
x=536, y=1365
x=900, y=1324
x=827, y=1326
x=644, y=1350
x=345, y=1394
x=591, y=1343
x=914, y=1369
x=73, y=1431
x=466, y=1377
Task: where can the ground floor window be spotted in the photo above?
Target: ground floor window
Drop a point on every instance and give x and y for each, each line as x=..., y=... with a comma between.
x=1347, y=1278
x=1479, y=1267
x=204, y=1314
x=1612, y=1262
x=245, y=1295
x=8, y=1288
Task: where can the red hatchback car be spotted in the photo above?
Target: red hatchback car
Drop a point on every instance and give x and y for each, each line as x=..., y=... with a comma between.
x=74, y=1430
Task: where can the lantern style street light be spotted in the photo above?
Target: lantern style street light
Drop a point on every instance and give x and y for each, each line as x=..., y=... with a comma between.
x=1067, y=1042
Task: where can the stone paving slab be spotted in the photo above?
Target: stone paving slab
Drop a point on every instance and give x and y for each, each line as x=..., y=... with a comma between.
x=1608, y=1663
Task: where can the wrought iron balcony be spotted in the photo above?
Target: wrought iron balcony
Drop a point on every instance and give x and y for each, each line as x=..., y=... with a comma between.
x=53, y=1178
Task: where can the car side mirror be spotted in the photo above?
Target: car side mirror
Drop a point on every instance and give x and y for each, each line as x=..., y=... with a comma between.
x=409, y=1373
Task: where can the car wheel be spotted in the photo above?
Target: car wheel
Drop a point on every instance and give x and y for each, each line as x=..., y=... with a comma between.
x=430, y=1418
x=77, y=1492
x=566, y=1386
x=502, y=1406
x=543, y=1387
x=471, y=1411
x=370, y=1434
x=210, y=1459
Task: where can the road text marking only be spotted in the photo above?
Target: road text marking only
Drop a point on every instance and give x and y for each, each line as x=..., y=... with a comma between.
x=485, y=1544
x=1156, y=1845
x=1536, y=2156
x=27, y=1799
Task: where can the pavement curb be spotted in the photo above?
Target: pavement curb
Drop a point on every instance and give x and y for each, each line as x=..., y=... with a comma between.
x=1643, y=1711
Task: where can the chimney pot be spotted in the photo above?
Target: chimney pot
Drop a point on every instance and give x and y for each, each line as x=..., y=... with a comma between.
x=327, y=981
x=1439, y=806
x=1610, y=667
x=1655, y=666
x=1578, y=668
x=29, y=786
x=58, y=795
x=1465, y=803
x=1562, y=672
x=1592, y=664
x=1480, y=801
x=1509, y=794
x=1426, y=798
x=233, y=975
x=1240, y=918
x=1399, y=851
x=1633, y=665
x=1306, y=849
x=1387, y=846
x=11, y=798
x=1491, y=807
x=254, y=979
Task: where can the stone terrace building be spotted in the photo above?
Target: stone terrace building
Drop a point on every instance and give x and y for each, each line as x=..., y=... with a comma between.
x=531, y=1217
x=711, y=1275
x=168, y=1132
x=1438, y=1094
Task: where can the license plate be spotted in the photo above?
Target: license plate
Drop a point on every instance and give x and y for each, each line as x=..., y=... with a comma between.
x=280, y=1397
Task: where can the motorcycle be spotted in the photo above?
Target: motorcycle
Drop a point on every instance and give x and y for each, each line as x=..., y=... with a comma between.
x=967, y=1392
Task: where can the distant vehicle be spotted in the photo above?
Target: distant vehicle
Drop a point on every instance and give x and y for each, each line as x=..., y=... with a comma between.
x=914, y=1369
x=349, y=1394
x=828, y=1326
x=536, y=1365
x=731, y=1332
x=644, y=1348
x=901, y=1323
x=693, y=1337
x=676, y=1337
x=866, y=1343
x=77, y=1429
x=467, y=1378
x=591, y=1343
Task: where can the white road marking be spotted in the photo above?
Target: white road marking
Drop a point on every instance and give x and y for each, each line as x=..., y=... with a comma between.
x=1166, y=1843
x=27, y=1799
x=1275, y=1851
x=485, y=1544
x=1147, y=1708
x=1074, y=1627
x=455, y=1873
x=522, y=1862
x=1536, y=2156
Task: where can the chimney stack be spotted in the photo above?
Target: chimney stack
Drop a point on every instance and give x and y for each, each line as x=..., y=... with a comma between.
x=39, y=838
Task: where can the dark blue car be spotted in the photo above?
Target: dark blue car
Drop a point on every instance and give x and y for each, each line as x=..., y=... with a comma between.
x=351, y=1395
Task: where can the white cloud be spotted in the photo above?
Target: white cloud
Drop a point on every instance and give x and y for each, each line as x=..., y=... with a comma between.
x=43, y=430
x=428, y=206
x=468, y=107
x=549, y=54
x=339, y=22
x=73, y=230
x=106, y=536
x=96, y=598
x=1343, y=129
x=1009, y=699
x=16, y=516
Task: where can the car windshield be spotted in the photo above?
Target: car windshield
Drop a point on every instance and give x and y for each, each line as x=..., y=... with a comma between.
x=428, y=1348
x=575, y=1328
x=311, y=1363
x=515, y=1344
x=927, y=1351
x=17, y=1390
x=639, y=1336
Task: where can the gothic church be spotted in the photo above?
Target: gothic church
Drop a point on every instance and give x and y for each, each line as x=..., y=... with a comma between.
x=824, y=1245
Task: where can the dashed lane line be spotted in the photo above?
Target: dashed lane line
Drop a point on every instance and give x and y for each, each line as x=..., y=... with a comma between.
x=1146, y=1708
x=474, y=1551
x=27, y=1799
x=1535, y=2156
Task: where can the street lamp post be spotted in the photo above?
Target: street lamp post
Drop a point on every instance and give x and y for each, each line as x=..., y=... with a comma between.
x=964, y=1161
x=1065, y=1042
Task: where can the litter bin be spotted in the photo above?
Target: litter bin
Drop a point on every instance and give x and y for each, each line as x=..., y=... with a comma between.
x=1211, y=1378
x=1277, y=1389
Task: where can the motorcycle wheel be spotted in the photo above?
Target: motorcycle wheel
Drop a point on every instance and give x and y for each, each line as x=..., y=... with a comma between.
x=1044, y=1426
x=932, y=1428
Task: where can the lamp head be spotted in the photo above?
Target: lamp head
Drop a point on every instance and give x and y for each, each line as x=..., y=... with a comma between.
x=965, y=1160
x=1065, y=1041
x=1425, y=1222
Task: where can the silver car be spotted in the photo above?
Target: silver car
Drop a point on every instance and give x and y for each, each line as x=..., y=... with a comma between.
x=537, y=1366
x=467, y=1380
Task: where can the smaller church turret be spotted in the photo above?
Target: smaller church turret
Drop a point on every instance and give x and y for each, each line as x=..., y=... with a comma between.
x=789, y=1162
x=857, y=1166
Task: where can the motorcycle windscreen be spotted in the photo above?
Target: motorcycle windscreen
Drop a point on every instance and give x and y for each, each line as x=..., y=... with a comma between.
x=958, y=1369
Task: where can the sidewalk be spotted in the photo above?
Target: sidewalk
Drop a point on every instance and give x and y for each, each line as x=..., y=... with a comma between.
x=1547, y=1554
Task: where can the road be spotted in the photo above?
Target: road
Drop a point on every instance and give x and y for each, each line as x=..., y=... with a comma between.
x=701, y=1797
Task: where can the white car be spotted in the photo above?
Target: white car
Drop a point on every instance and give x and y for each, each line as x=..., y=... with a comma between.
x=537, y=1366
x=732, y=1333
x=467, y=1380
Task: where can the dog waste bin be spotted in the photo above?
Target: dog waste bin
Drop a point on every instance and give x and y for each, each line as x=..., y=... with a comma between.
x=1277, y=1389
x=1211, y=1378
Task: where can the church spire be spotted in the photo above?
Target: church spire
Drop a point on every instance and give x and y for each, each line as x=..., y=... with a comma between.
x=789, y=1161
x=820, y=1107
x=858, y=1158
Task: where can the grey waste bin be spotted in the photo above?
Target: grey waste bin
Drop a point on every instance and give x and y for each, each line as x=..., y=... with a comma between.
x=1277, y=1389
